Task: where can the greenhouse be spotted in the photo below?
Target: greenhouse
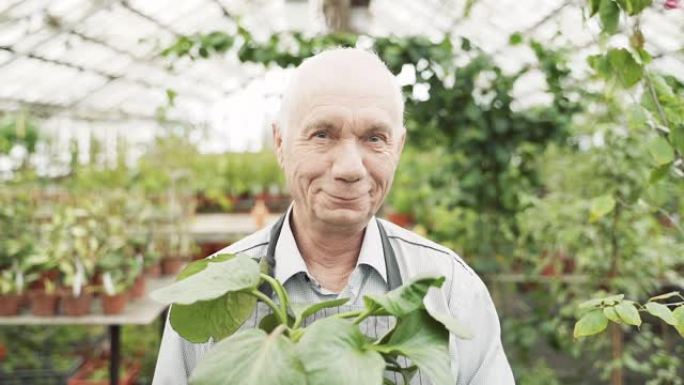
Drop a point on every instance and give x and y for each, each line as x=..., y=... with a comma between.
x=243, y=192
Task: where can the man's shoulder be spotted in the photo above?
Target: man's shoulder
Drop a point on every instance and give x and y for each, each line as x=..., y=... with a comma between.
x=253, y=245
x=421, y=247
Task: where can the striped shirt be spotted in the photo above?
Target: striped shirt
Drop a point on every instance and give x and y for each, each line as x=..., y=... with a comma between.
x=477, y=361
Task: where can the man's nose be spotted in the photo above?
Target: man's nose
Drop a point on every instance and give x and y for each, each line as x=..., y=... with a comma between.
x=348, y=163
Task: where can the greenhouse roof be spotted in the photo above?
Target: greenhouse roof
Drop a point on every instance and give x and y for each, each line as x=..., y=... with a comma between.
x=99, y=60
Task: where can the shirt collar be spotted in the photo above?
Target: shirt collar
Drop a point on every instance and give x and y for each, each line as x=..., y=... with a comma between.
x=289, y=261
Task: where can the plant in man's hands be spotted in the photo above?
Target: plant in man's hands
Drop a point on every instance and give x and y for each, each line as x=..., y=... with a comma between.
x=213, y=297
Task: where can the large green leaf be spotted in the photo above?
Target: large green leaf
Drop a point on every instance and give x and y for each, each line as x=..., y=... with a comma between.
x=661, y=311
x=591, y=323
x=425, y=342
x=217, y=318
x=250, y=357
x=452, y=324
x=404, y=299
x=609, y=12
x=196, y=266
x=335, y=352
x=215, y=280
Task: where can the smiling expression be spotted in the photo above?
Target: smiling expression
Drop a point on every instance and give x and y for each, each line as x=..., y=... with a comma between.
x=342, y=139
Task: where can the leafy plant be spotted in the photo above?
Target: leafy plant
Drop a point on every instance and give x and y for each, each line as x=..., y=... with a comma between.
x=213, y=297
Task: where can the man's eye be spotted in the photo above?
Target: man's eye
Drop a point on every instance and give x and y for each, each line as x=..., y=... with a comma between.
x=376, y=139
x=321, y=135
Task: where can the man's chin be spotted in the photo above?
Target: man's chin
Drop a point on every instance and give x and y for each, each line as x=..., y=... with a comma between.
x=345, y=217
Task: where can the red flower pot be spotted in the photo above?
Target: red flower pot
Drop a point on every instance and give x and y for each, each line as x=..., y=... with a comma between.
x=10, y=304
x=76, y=306
x=172, y=265
x=114, y=304
x=83, y=376
x=153, y=270
x=43, y=304
x=138, y=289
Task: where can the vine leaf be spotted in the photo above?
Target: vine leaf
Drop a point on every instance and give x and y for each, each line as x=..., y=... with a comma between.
x=591, y=323
x=661, y=311
x=628, y=313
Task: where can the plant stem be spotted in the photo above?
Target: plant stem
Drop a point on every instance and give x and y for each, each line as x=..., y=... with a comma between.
x=364, y=314
x=282, y=317
x=348, y=314
x=280, y=292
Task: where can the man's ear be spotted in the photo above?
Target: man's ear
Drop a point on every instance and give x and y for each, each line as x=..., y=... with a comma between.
x=277, y=142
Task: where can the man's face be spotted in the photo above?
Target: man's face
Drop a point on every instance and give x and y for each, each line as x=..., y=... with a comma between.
x=340, y=150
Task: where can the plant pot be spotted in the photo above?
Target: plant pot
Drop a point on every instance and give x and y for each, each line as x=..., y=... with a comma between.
x=127, y=376
x=153, y=271
x=401, y=219
x=43, y=304
x=10, y=304
x=114, y=304
x=138, y=289
x=171, y=265
x=76, y=306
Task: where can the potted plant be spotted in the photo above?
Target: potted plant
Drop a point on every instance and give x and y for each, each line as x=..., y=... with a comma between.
x=45, y=300
x=179, y=249
x=329, y=347
x=11, y=292
x=115, y=282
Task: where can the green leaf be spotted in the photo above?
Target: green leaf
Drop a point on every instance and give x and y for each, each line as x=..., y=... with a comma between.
x=677, y=137
x=612, y=314
x=624, y=67
x=658, y=173
x=425, y=342
x=335, y=352
x=634, y=7
x=269, y=323
x=250, y=357
x=404, y=299
x=515, y=38
x=452, y=324
x=678, y=314
x=609, y=12
x=591, y=323
x=661, y=151
x=601, y=206
x=628, y=313
x=201, y=264
x=217, y=318
x=663, y=296
x=661, y=311
x=217, y=279
x=302, y=311
x=594, y=7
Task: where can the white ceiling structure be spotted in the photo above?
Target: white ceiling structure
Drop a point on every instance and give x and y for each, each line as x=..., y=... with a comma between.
x=98, y=63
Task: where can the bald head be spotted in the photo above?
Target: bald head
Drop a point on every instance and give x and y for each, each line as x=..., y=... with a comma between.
x=348, y=72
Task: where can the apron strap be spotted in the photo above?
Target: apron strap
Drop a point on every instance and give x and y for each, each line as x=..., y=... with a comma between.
x=393, y=273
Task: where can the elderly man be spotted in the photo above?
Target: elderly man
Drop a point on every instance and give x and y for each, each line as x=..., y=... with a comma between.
x=338, y=139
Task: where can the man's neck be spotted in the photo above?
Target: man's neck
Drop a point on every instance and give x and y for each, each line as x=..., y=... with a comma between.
x=330, y=254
